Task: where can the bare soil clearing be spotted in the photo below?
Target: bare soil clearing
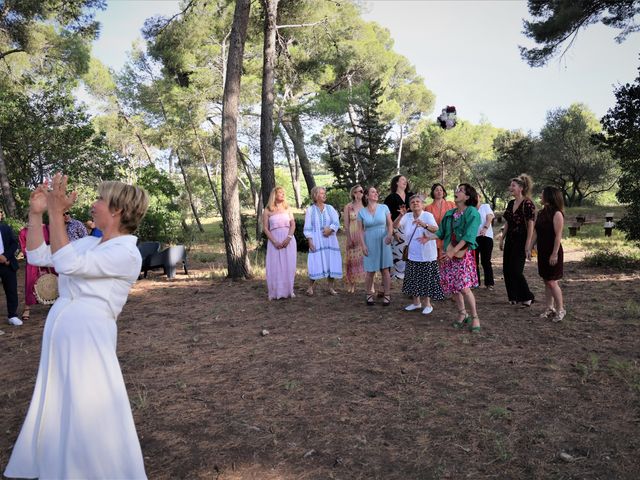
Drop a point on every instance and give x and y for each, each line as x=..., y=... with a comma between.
x=345, y=391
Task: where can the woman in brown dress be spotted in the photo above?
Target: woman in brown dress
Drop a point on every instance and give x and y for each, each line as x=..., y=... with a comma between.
x=548, y=235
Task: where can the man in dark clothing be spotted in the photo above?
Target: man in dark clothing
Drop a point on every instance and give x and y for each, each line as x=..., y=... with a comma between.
x=8, y=268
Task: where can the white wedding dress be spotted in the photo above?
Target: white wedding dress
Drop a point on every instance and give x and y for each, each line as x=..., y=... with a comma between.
x=79, y=424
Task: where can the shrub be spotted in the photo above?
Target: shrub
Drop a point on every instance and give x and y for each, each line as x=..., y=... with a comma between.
x=608, y=258
x=338, y=198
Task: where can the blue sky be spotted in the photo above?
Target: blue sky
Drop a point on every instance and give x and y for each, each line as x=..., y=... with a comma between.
x=467, y=52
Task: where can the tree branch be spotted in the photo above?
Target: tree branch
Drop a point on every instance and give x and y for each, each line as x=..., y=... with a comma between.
x=324, y=20
x=9, y=52
x=187, y=8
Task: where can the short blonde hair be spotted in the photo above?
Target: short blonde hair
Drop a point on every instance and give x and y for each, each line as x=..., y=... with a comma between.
x=271, y=204
x=314, y=192
x=130, y=200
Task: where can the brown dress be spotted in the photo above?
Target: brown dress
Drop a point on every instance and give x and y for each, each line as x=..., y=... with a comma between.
x=546, y=237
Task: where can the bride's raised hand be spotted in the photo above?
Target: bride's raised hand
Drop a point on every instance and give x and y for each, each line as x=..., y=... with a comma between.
x=58, y=201
x=38, y=199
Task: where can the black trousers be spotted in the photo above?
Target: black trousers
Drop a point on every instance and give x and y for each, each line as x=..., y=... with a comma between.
x=10, y=285
x=483, y=256
x=513, y=269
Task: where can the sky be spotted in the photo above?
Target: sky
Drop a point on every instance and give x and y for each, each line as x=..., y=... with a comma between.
x=467, y=52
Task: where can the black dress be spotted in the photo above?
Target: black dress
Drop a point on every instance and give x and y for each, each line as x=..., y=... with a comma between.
x=514, y=255
x=546, y=237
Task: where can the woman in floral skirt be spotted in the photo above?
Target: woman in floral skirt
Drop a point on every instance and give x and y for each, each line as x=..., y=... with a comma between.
x=354, y=257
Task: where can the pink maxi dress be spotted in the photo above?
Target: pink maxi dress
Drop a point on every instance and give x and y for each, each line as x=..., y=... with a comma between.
x=280, y=263
x=31, y=271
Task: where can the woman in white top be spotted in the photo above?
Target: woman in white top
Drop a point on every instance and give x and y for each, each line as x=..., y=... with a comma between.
x=79, y=423
x=321, y=223
x=485, y=243
x=422, y=274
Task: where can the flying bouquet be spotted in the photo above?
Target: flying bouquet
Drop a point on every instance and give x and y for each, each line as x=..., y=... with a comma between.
x=447, y=118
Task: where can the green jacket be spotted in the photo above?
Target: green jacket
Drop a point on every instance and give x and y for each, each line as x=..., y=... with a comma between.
x=465, y=227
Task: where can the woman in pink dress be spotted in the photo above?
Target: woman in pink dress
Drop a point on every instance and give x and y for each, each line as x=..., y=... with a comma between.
x=31, y=271
x=279, y=225
x=354, y=267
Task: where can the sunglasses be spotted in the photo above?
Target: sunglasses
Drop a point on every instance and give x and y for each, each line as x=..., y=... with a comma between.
x=66, y=213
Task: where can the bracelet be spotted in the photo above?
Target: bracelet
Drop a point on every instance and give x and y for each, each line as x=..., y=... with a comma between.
x=289, y=237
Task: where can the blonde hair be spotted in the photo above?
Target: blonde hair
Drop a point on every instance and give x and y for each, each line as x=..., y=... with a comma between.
x=353, y=189
x=130, y=200
x=271, y=204
x=525, y=182
x=314, y=192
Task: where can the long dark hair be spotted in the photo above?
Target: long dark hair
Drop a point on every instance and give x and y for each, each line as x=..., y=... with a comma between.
x=552, y=197
x=365, y=197
x=470, y=192
x=436, y=185
x=394, y=184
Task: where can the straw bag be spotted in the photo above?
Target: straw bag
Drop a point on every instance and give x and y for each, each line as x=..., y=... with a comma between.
x=46, y=288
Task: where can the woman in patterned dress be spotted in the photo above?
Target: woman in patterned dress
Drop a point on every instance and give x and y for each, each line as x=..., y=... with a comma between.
x=517, y=239
x=354, y=261
x=458, y=275
x=421, y=276
x=321, y=223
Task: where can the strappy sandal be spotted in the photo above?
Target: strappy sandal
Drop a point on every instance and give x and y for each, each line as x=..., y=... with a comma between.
x=370, y=300
x=310, y=291
x=475, y=329
x=25, y=315
x=386, y=301
x=461, y=323
x=548, y=313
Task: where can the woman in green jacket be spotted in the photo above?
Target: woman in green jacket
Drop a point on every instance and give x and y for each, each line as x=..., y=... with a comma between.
x=458, y=273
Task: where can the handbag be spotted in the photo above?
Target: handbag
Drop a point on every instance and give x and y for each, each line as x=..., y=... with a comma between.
x=405, y=250
x=45, y=288
x=454, y=241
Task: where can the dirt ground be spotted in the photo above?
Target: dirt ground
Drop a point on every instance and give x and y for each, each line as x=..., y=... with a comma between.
x=338, y=390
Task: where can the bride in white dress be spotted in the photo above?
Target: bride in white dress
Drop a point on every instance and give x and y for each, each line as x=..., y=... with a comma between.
x=79, y=424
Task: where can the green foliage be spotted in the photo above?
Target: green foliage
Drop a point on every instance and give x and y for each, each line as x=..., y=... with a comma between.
x=622, y=127
x=338, y=198
x=367, y=161
x=16, y=224
x=163, y=219
x=614, y=259
x=558, y=21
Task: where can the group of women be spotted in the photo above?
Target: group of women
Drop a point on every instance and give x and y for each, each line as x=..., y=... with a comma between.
x=436, y=249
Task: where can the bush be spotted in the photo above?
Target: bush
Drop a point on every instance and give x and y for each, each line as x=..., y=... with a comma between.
x=16, y=224
x=608, y=258
x=338, y=198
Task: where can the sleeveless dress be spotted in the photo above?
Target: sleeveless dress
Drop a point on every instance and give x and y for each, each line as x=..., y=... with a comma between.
x=354, y=257
x=546, y=238
x=375, y=230
x=32, y=272
x=280, y=262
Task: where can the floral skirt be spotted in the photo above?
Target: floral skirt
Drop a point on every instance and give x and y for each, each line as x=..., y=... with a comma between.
x=354, y=265
x=458, y=273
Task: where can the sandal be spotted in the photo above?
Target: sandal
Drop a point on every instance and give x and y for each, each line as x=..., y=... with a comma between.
x=548, y=313
x=332, y=291
x=25, y=315
x=475, y=329
x=461, y=323
x=370, y=300
x=310, y=291
x=386, y=301
x=560, y=315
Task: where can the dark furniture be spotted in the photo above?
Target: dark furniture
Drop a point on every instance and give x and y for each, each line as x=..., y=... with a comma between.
x=168, y=260
x=147, y=250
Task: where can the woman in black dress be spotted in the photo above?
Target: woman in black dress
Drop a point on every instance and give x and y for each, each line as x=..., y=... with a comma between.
x=548, y=235
x=517, y=239
x=398, y=203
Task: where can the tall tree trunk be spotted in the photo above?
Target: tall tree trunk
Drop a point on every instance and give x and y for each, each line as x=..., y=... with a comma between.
x=255, y=195
x=267, y=174
x=235, y=246
x=293, y=127
x=7, y=194
x=187, y=187
x=293, y=170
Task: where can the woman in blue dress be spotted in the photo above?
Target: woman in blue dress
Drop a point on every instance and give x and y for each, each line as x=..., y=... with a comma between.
x=377, y=228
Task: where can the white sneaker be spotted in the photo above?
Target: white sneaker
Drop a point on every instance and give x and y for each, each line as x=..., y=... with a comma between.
x=15, y=321
x=411, y=307
x=427, y=310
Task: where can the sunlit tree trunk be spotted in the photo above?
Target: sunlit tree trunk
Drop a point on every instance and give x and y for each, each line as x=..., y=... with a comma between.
x=235, y=246
x=7, y=194
x=293, y=127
